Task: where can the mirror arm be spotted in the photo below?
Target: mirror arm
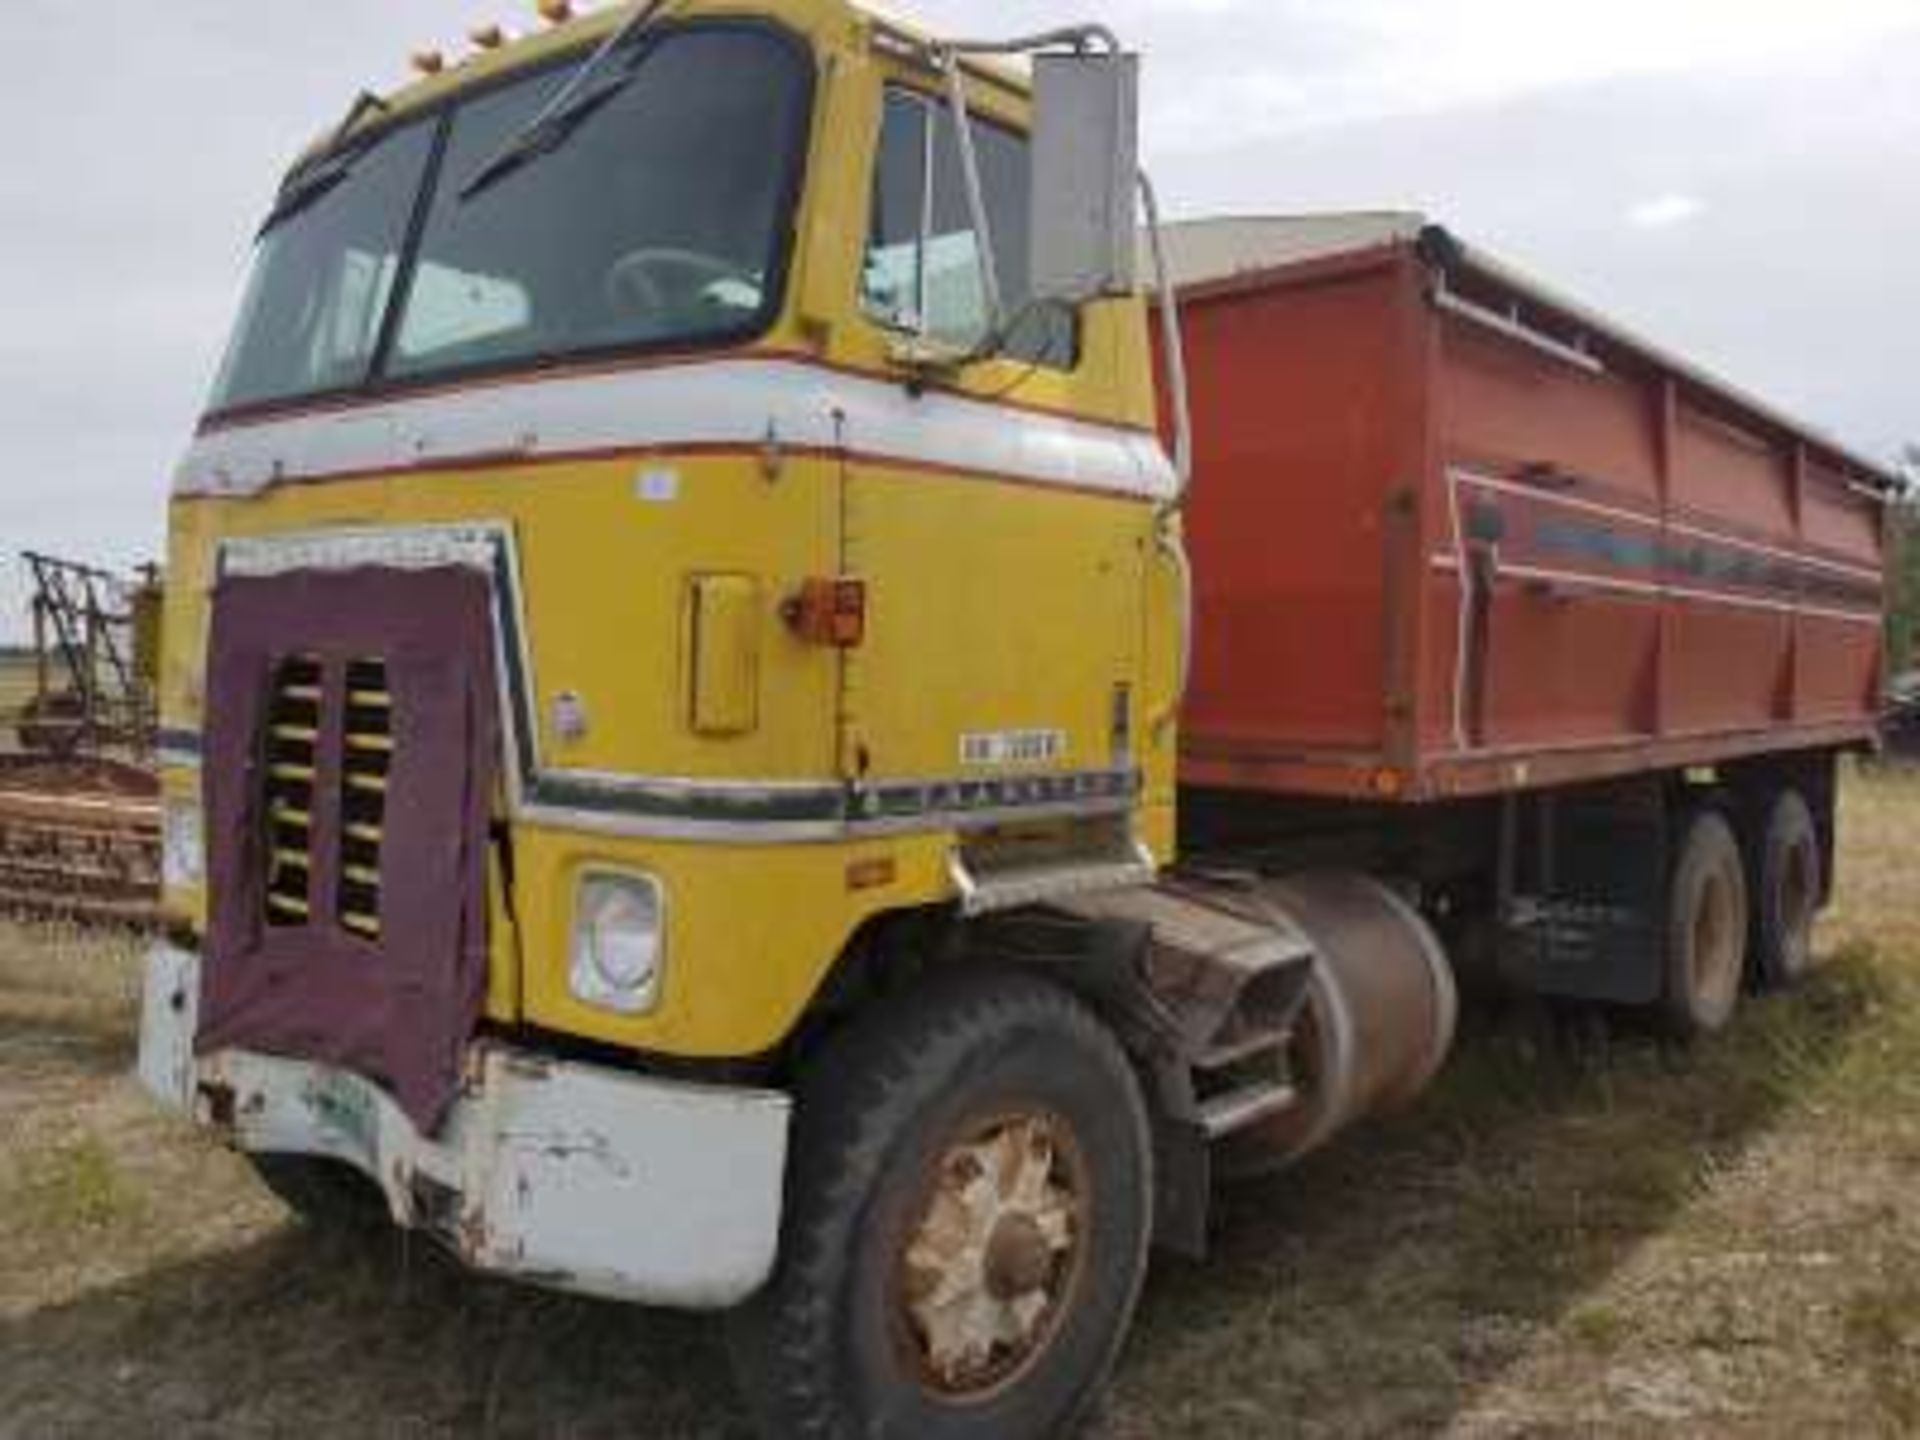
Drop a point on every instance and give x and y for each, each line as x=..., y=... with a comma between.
x=1174, y=348
x=1078, y=37
x=1168, y=533
x=976, y=193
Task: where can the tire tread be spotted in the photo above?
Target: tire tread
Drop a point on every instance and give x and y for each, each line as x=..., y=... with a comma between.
x=854, y=1101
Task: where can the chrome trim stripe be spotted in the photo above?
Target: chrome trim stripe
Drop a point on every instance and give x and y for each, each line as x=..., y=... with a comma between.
x=1812, y=562
x=788, y=813
x=735, y=402
x=1459, y=475
x=688, y=828
x=1647, y=591
x=1659, y=587
x=178, y=750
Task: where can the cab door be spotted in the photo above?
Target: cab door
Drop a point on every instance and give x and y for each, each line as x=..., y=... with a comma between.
x=1002, y=541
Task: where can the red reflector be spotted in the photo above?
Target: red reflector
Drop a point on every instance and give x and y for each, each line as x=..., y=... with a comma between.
x=1389, y=784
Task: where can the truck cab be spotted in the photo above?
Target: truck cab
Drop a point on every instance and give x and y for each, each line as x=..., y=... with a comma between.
x=652, y=561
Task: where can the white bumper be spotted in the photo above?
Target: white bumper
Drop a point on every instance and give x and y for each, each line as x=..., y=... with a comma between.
x=571, y=1176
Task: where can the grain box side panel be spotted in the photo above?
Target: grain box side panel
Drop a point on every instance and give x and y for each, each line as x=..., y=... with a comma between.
x=1839, y=522
x=1839, y=646
x=1551, y=485
x=1304, y=414
x=1732, y=581
x=1730, y=475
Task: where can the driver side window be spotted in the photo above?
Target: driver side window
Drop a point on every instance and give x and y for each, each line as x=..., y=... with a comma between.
x=922, y=269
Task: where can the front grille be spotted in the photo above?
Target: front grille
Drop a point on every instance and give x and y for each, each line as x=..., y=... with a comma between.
x=299, y=713
x=295, y=716
x=365, y=763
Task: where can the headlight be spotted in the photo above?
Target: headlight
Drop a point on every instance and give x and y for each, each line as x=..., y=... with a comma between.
x=619, y=943
x=183, y=846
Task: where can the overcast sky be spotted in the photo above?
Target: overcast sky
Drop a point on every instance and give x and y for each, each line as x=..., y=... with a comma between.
x=1739, y=179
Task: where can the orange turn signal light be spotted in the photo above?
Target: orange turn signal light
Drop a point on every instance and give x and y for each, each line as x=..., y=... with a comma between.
x=829, y=612
x=875, y=874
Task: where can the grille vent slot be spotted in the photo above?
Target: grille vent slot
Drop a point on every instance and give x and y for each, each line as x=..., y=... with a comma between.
x=295, y=714
x=366, y=761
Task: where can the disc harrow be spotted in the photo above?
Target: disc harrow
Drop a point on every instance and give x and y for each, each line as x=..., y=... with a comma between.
x=80, y=841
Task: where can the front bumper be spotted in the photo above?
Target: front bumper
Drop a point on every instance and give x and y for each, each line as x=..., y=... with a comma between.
x=577, y=1177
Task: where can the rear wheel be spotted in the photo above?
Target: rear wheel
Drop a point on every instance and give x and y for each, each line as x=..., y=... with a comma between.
x=967, y=1224
x=1788, y=884
x=1706, y=929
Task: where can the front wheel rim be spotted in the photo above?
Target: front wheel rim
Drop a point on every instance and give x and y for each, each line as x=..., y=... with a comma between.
x=994, y=1253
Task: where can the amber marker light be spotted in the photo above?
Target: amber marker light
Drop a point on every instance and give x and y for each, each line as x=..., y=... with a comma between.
x=874, y=874
x=429, y=62
x=1389, y=784
x=488, y=37
x=829, y=612
x=555, y=12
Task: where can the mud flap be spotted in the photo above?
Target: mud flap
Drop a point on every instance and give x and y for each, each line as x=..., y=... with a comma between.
x=1585, y=895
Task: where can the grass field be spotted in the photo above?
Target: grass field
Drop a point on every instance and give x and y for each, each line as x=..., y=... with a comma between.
x=1575, y=1235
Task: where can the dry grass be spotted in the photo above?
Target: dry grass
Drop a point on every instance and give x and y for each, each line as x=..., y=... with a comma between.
x=17, y=683
x=1581, y=1233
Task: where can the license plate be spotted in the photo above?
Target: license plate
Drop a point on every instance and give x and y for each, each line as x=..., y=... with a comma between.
x=346, y=1110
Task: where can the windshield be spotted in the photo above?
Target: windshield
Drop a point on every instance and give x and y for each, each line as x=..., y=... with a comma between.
x=660, y=219
x=323, y=278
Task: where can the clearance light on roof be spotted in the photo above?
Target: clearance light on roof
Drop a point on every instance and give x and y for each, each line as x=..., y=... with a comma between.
x=429, y=62
x=488, y=37
x=555, y=12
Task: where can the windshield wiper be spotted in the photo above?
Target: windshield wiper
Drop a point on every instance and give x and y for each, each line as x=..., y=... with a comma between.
x=308, y=186
x=561, y=116
x=363, y=104
x=321, y=177
x=543, y=137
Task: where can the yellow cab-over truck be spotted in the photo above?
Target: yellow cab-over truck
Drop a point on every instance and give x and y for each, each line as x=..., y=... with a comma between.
x=691, y=774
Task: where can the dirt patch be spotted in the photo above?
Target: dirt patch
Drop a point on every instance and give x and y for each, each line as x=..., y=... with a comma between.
x=1582, y=1232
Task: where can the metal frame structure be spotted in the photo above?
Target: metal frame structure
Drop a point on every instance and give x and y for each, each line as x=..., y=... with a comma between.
x=90, y=690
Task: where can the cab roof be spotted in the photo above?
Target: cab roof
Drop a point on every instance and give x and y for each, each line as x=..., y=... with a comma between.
x=581, y=32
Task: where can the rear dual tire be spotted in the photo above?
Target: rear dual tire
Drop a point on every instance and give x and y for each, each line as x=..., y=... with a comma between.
x=1733, y=917
x=1789, y=875
x=1707, y=929
x=968, y=1213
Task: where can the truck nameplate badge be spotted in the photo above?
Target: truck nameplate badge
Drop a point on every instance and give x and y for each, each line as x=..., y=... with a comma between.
x=1013, y=747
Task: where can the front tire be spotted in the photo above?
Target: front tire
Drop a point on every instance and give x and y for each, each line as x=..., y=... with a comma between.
x=968, y=1211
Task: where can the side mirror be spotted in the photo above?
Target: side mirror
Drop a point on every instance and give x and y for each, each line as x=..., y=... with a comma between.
x=1086, y=165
